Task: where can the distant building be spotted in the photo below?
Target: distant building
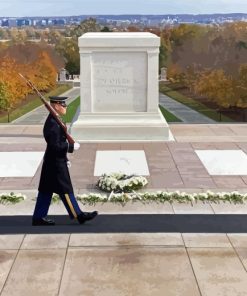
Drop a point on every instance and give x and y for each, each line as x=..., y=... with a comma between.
x=23, y=22
x=12, y=22
x=122, y=21
x=5, y=23
x=58, y=22
x=33, y=22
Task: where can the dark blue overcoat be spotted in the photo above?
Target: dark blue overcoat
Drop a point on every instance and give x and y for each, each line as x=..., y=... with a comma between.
x=55, y=175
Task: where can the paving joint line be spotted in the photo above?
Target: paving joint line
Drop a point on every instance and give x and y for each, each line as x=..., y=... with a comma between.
x=64, y=263
x=188, y=256
x=176, y=165
x=236, y=253
x=12, y=266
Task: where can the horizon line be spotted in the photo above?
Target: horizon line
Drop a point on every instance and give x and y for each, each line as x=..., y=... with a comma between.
x=126, y=14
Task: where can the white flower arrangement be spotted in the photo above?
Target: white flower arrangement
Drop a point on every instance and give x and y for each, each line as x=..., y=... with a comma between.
x=146, y=197
x=163, y=196
x=11, y=198
x=119, y=182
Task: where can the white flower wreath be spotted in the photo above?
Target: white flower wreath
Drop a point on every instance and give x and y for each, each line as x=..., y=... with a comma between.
x=119, y=182
x=11, y=198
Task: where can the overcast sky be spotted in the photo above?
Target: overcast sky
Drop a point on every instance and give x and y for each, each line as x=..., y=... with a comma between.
x=91, y=7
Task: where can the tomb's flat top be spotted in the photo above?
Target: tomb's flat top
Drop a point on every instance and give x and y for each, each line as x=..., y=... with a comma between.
x=122, y=39
x=119, y=35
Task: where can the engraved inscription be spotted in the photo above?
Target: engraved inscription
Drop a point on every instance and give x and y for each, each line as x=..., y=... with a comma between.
x=119, y=82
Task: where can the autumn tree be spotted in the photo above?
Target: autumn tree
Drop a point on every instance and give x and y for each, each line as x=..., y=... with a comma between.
x=165, y=48
x=45, y=72
x=88, y=25
x=18, y=36
x=68, y=48
x=29, y=52
x=30, y=32
x=3, y=34
x=54, y=36
x=132, y=28
x=175, y=73
x=11, y=84
x=3, y=96
x=217, y=87
x=210, y=61
x=41, y=72
x=241, y=90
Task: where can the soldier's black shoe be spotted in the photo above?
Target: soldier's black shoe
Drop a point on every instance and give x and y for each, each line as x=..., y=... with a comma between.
x=42, y=222
x=86, y=216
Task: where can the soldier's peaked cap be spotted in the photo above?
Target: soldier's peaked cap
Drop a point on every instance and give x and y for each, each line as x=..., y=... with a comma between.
x=55, y=99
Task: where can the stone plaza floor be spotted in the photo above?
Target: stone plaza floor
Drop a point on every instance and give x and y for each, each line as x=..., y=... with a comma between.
x=133, y=250
x=123, y=264
x=172, y=165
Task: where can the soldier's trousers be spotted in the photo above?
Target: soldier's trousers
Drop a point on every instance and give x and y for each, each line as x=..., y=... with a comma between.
x=44, y=200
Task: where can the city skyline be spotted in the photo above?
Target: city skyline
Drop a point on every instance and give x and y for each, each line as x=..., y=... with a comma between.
x=14, y=8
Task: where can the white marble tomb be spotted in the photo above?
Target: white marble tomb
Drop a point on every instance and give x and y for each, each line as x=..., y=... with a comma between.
x=119, y=89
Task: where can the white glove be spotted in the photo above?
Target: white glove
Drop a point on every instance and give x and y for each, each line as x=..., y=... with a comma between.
x=76, y=146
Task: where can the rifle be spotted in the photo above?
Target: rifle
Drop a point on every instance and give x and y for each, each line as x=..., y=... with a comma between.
x=49, y=108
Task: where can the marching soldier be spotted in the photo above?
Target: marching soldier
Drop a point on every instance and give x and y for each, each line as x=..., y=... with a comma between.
x=55, y=177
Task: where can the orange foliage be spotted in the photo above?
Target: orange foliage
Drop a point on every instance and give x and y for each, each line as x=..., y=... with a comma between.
x=41, y=72
x=174, y=73
x=15, y=90
x=45, y=76
x=217, y=87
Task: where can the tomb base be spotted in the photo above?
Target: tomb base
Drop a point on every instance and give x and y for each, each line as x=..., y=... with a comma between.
x=109, y=127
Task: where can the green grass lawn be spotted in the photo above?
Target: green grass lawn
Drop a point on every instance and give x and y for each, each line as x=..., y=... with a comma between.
x=71, y=110
x=193, y=104
x=168, y=115
x=36, y=102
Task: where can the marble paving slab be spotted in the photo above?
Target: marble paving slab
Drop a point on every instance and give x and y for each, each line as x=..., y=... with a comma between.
x=19, y=164
x=125, y=239
x=224, y=162
x=35, y=272
x=218, y=271
x=126, y=161
x=111, y=271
